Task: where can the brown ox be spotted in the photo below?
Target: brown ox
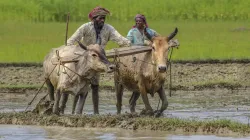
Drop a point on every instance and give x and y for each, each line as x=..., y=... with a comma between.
x=73, y=78
x=144, y=73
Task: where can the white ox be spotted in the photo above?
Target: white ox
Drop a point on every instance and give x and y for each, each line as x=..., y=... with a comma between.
x=73, y=77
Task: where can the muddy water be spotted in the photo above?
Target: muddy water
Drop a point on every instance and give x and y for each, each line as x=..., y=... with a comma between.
x=15, y=132
x=198, y=105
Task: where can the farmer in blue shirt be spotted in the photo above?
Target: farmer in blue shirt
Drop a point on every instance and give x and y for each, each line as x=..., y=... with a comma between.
x=141, y=34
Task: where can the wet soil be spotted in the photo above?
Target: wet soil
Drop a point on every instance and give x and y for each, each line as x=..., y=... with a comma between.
x=199, y=105
x=185, y=76
x=206, y=112
x=126, y=121
x=201, y=92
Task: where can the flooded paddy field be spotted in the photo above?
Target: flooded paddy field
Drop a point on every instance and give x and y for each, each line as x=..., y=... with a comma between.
x=22, y=132
x=201, y=92
x=199, y=105
x=209, y=105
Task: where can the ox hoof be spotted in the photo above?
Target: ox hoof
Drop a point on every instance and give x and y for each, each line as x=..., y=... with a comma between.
x=134, y=113
x=62, y=111
x=147, y=112
x=158, y=114
x=56, y=112
x=51, y=104
x=48, y=111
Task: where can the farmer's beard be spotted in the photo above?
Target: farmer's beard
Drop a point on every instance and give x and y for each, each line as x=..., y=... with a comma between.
x=98, y=26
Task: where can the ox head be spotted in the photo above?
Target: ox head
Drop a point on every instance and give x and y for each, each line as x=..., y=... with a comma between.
x=97, y=59
x=160, y=50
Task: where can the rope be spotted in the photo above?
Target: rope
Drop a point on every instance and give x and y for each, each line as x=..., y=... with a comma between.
x=117, y=62
x=170, y=74
x=72, y=71
x=170, y=85
x=134, y=59
x=59, y=64
x=40, y=89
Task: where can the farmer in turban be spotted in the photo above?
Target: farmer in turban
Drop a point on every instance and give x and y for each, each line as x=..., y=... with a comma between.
x=141, y=34
x=97, y=32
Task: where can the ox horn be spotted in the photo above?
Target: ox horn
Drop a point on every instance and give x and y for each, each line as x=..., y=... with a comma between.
x=173, y=34
x=81, y=45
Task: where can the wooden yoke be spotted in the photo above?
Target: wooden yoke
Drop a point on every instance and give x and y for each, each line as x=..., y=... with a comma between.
x=124, y=51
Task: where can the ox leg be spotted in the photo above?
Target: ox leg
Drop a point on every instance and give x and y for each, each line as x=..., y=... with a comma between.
x=50, y=90
x=95, y=98
x=57, y=100
x=164, y=101
x=132, y=101
x=81, y=102
x=149, y=110
x=76, y=97
x=63, y=102
x=119, y=92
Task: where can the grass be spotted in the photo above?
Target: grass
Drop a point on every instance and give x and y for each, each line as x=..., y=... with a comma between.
x=20, y=86
x=127, y=121
x=171, y=124
x=217, y=83
x=125, y=10
x=30, y=42
x=109, y=83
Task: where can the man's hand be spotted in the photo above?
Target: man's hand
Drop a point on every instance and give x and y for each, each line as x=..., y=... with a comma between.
x=147, y=43
x=147, y=34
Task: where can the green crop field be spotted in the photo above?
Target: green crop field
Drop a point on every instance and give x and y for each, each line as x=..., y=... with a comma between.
x=124, y=10
x=208, y=29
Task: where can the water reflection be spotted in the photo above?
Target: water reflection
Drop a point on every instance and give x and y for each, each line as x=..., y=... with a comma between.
x=15, y=132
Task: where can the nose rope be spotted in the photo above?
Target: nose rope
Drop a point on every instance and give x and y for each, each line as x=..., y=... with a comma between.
x=170, y=73
x=171, y=51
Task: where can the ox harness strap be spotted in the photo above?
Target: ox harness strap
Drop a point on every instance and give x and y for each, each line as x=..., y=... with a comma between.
x=117, y=62
x=60, y=62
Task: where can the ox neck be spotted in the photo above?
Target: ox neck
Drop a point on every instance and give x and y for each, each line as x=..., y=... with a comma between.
x=156, y=74
x=82, y=67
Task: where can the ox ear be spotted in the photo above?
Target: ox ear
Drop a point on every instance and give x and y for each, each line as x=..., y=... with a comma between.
x=81, y=45
x=172, y=35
